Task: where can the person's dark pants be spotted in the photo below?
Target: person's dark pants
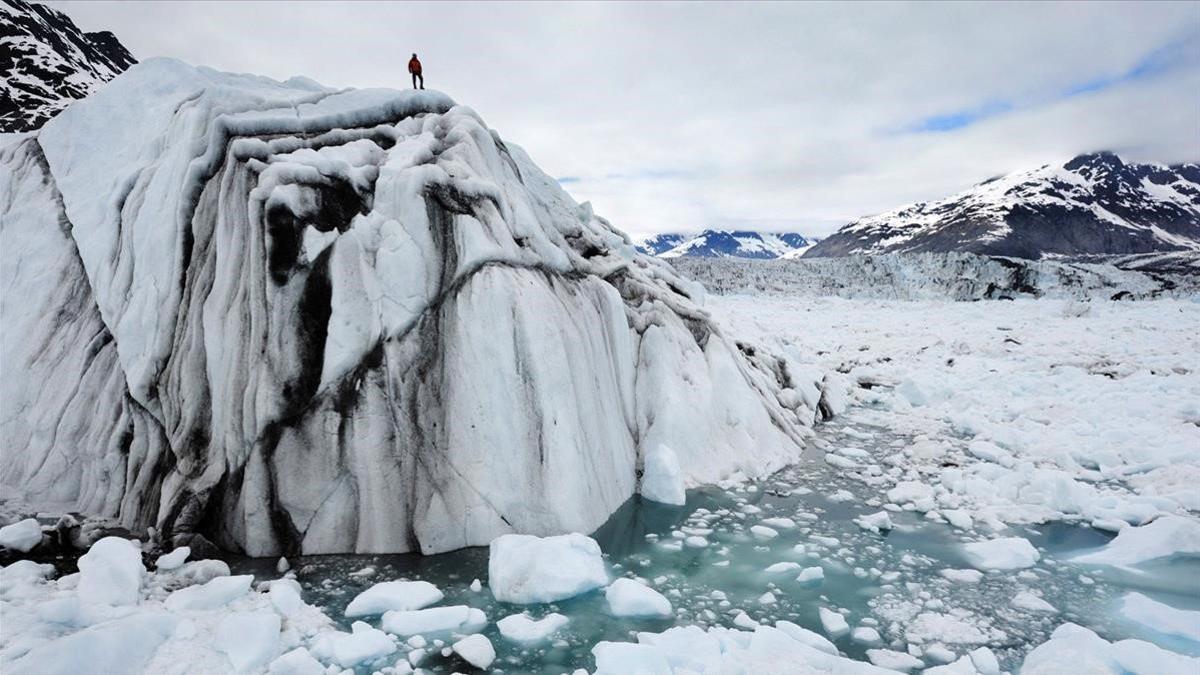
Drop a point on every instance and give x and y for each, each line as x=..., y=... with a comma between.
x=418, y=76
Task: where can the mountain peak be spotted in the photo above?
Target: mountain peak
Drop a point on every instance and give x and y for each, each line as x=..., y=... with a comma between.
x=1094, y=204
x=1103, y=159
x=714, y=243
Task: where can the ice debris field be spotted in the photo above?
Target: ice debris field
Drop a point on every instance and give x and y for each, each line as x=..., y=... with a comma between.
x=825, y=567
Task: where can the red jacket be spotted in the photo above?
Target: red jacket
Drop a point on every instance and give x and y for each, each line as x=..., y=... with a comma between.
x=414, y=66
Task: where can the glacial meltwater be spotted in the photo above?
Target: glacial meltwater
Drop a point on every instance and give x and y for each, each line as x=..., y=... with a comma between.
x=910, y=584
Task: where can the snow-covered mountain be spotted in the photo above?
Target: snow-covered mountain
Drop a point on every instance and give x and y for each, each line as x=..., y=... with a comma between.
x=48, y=63
x=661, y=243
x=728, y=244
x=1093, y=204
x=294, y=319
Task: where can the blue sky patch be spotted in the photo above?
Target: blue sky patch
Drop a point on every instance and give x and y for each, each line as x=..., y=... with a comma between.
x=1176, y=55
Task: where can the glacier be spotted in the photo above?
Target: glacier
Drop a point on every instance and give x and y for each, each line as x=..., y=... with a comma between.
x=297, y=320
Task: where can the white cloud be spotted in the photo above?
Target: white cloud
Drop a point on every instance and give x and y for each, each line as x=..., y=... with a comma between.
x=783, y=114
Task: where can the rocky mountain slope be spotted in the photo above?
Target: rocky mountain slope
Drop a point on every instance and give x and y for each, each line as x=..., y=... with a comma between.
x=1093, y=204
x=299, y=320
x=728, y=244
x=48, y=63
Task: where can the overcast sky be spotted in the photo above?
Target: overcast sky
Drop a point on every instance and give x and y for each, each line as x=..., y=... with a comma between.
x=771, y=116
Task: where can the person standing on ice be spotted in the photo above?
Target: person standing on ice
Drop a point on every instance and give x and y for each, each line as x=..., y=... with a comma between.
x=414, y=67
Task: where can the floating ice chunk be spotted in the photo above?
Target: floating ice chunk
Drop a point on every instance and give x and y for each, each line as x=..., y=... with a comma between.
x=886, y=658
x=810, y=575
x=1032, y=603
x=808, y=637
x=938, y=653
x=930, y=626
x=958, y=518
x=200, y=571
x=626, y=658
x=834, y=624
x=990, y=452
x=1167, y=536
x=521, y=628
x=627, y=597
x=248, y=639
x=840, y=461
x=22, y=535
x=763, y=532
x=662, y=479
x=691, y=649
x=457, y=619
x=985, y=661
x=1075, y=649
x=842, y=496
x=173, y=560
x=866, y=635
x=781, y=567
x=476, y=650
x=285, y=596
x=296, y=662
x=743, y=620
x=1162, y=618
x=362, y=645
x=909, y=491
x=526, y=569
x=476, y=586
x=963, y=666
x=283, y=566
x=767, y=598
x=875, y=522
x=695, y=541
x=22, y=578
x=854, y=453
x=110, y=573
x=397, y=595
x=123, y=645
x=962, y=576
x=216, y=593
x=779, y=523
x=1006, y=553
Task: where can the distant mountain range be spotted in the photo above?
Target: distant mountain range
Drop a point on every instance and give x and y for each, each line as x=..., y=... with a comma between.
x=728, y=244
x=1094, y=204
x=48, y=63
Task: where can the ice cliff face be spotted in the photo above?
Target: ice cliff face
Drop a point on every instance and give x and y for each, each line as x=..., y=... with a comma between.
x=294, y=319
x=951, y=276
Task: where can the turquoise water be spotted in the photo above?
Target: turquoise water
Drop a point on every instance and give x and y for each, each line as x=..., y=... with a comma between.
x=874, y=576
